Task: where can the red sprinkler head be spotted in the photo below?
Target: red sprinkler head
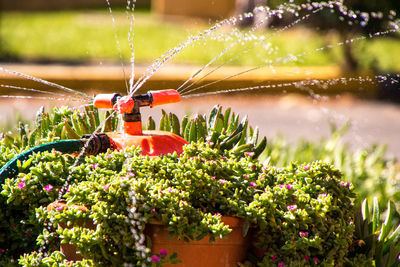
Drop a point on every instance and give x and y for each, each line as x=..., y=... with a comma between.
x=130, y=106
x=152, y=143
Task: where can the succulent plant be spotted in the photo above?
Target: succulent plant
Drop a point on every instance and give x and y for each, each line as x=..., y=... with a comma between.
x=378, y=239
x=222, y=130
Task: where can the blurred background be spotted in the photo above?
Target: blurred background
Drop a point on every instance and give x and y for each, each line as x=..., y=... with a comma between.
x=73, y=43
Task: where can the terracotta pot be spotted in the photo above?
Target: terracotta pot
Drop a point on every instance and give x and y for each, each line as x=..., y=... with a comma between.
x=67, y=249
x=223, y=252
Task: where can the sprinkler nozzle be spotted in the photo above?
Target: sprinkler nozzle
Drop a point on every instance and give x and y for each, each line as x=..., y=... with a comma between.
x=164, y=97
x=126, y=104
x=130, y=105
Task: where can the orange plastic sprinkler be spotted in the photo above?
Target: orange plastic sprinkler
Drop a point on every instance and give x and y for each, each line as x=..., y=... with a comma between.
x=152, y=143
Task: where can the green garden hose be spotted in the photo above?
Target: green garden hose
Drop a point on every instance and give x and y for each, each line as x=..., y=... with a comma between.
x=95, y=144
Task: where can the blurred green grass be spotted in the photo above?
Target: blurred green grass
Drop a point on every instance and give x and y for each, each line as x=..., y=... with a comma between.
x=90, y=36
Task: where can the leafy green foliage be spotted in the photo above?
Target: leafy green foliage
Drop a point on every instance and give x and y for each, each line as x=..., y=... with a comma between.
x=376, y=238
x=370, y=171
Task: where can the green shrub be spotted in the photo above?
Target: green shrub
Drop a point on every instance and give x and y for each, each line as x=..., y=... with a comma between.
x=304, y=212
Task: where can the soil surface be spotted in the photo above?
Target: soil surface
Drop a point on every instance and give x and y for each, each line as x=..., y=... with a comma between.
x=292, y=116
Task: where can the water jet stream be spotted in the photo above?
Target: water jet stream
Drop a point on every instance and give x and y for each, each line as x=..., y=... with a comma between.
x=69, y=90
x=36, y=91
x=370, y=36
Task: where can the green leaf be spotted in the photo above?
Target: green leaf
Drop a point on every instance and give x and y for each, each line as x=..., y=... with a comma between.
x=375, y=215
x=365, y=210
x=260, y=147
x=92, y=121
x=187, y=130
x=201, y=131
x=71, y=133
x=175, y=124
x=185, y=120
x=213, y=118
x=193, y=132
x=27, y=164
x=393, y=239
x=107, y=124
x=226, y=117
x=151, y=124
x=245, y=124
x=75, y=123
x=32, y=137
x=96, y=117
x=387, y=225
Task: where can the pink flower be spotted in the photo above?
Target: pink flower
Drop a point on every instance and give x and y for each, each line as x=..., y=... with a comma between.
x=292, y=207
x=22, y=179
x=288, y=186
x=344, y=184
x=222, y=181
x=1, y=251
x=217, y=214
x=280, y=185
x=306, y=257
x=266, y=169
x=306, y=168
x=223, y=158
x=21, y=185
x=170, y=190
x=303, y=233
x=153, y=210
x=250, y=154
x=273, y=258
x=252, y=184
x=155, y=258
x=213, y=177
x=322, y=195
x=95, y=166
x=161, y=192
x=163, y=252
x=106, y=187
x=281, y=264
x=48, y=188
x=246, y=176
x=316, y=259
x=59, y=208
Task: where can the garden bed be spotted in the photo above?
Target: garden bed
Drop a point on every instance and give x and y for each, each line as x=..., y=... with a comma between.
x=301, y=214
